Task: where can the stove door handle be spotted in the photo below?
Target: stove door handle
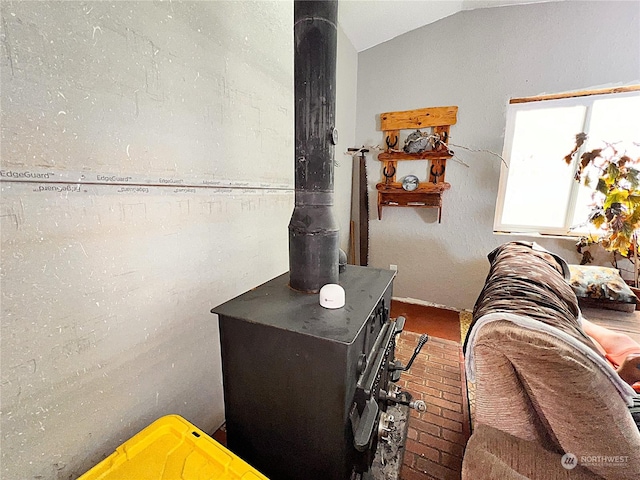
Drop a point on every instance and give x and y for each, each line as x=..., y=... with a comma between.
x=400, y=324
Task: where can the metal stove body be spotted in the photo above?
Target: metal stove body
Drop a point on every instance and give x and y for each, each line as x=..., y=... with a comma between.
x=306, y=387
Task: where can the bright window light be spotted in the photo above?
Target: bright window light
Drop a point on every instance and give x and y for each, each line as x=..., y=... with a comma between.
x=538, y=193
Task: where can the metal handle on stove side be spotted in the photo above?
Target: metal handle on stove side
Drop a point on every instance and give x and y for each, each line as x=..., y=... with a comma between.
x=424, y=338
x=403, y=398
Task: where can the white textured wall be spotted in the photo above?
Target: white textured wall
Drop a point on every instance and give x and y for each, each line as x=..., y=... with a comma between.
x=119, y=119
x=346, y=80
x=478, y=60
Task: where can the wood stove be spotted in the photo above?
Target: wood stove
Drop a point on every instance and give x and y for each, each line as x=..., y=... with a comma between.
x=306, y=388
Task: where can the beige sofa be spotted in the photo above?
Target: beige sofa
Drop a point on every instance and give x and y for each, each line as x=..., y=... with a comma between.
x=547, y=405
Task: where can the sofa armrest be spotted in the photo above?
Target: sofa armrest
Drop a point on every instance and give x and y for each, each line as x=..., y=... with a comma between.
x=577, y=405
x=492, y=453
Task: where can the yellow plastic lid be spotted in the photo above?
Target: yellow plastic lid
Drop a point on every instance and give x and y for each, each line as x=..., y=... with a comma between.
x=172, y=449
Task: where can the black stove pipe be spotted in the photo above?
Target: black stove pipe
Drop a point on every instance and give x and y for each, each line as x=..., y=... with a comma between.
x=313, y=232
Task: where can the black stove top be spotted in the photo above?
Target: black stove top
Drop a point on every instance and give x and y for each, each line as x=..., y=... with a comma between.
x=275, y=304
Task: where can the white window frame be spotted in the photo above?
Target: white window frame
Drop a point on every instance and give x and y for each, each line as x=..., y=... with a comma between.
x=586, y=99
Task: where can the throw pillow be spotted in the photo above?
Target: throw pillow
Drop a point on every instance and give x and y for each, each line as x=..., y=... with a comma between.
x=602, y=285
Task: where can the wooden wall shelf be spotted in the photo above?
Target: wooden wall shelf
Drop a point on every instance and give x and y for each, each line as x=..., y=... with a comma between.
x=428, y=194
x=423, y=187
x=428, y=155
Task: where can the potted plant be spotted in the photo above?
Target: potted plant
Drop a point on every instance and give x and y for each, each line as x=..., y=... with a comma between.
x=616, y=200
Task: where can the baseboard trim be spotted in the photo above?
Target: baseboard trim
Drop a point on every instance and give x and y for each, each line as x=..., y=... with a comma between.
x=415, y=301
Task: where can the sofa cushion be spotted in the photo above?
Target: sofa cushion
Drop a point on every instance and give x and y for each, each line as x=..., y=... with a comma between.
x=601, y=287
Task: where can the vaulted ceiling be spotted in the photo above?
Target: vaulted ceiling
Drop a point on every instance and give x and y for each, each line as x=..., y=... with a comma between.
x=370, y=22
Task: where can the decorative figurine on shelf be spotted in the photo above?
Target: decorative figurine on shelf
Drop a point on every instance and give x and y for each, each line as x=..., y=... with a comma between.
x=418, y=142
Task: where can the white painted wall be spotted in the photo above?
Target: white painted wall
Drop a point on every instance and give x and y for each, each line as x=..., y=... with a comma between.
x=478, y=60
x=138, y=111
x=346, y=84
x=120, y=124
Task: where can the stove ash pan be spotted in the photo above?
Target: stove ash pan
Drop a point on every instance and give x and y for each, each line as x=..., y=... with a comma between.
x=306, y=388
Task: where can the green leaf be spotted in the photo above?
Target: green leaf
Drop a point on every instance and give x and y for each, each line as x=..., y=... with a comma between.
x=633, y=177
x=598, y=220
x=634, y=200
x=615, y=196
x=627, y=229
x=619, y=244
x=613, y=171
x=634, y=218
x=602, y=186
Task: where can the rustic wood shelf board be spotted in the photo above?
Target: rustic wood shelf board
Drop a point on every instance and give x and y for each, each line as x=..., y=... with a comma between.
x=427, y=194
x=420, y=118
x=423, y=187
x=428, y=155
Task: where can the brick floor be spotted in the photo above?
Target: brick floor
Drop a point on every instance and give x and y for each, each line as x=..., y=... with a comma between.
x=436, y=438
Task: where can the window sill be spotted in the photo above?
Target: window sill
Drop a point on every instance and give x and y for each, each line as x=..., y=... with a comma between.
x=557, y=236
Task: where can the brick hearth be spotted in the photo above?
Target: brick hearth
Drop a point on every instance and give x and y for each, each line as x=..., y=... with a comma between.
x=436, y=438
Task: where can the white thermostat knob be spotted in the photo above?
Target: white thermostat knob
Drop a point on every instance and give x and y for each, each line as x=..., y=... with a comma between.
x=332, y=296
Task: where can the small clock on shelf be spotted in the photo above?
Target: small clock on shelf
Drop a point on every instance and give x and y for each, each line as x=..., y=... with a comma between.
x=410, y=183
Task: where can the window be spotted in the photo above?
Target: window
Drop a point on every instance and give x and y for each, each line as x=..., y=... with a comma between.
x=537, y=192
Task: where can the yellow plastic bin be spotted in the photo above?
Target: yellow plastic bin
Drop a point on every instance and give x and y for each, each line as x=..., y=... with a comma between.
x=172, y=449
